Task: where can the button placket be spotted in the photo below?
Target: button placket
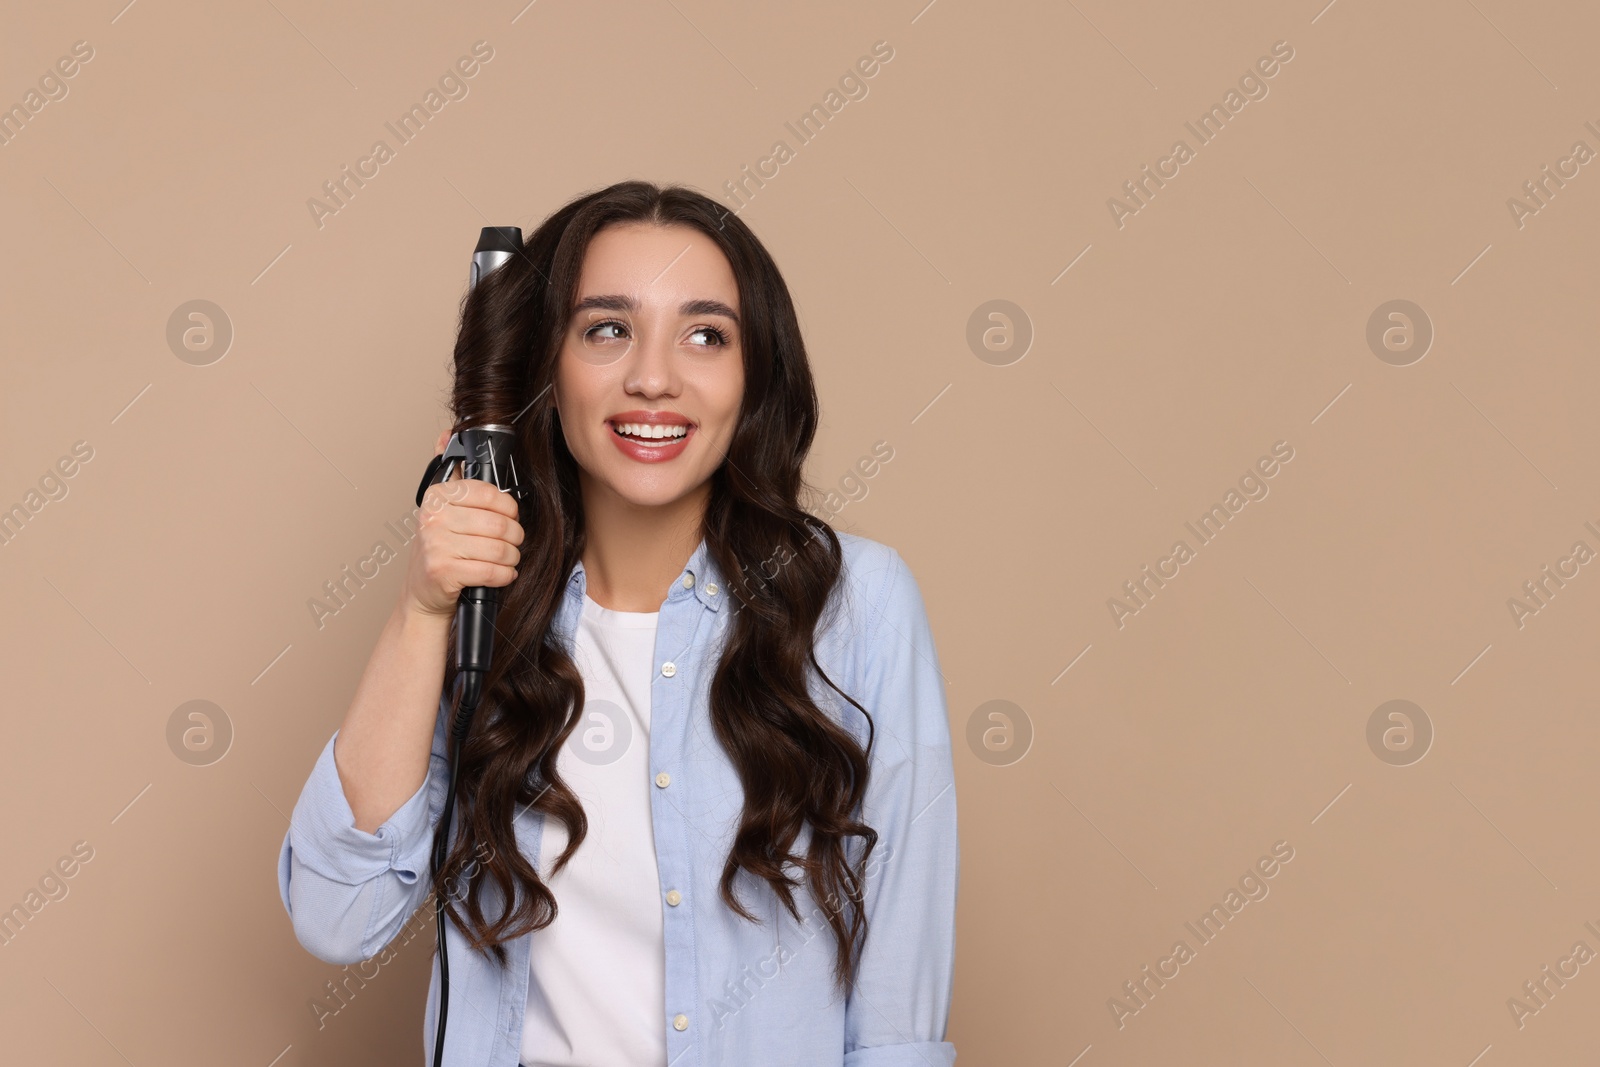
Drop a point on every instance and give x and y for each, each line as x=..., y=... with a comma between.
x=687, y=610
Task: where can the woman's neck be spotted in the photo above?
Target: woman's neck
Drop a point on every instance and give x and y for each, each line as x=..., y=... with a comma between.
x=632, y=554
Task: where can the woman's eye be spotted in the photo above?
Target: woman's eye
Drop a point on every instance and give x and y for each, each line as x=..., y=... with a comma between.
x=719, y=337
x=593, y=331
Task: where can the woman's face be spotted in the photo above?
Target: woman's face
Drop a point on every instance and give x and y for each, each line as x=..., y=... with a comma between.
x=651, y=371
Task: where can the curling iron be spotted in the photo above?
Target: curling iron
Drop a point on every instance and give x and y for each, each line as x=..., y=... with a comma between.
x=486, y=452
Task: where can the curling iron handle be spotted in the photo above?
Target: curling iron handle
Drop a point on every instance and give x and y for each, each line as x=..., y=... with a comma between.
x=475, y=627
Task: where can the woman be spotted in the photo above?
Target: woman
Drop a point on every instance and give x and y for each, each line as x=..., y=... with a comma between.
x=740, y=705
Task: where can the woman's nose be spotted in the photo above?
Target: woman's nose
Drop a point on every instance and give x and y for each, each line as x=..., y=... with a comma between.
x=652, y=361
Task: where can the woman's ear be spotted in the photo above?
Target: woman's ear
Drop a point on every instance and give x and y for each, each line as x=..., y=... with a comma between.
x=444, y=439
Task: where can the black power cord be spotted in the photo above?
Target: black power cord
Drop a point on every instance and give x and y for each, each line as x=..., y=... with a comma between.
x=469, y=685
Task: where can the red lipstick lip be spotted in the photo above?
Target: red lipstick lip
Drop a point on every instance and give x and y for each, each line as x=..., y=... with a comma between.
x=651, y=418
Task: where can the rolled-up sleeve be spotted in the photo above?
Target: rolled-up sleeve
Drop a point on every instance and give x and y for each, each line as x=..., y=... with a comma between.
x=349, y=892
x=897, y=1013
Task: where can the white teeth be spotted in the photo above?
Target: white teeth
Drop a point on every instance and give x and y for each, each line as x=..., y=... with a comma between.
x=639, y=429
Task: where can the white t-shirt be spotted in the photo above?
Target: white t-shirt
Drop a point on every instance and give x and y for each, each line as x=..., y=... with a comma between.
x=597, y=988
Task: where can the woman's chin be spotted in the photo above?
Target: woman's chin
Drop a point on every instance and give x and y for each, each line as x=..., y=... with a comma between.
x=650, y=492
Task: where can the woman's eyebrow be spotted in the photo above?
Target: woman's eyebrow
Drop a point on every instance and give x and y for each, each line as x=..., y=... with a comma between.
x=708, y=307
x=619, y=302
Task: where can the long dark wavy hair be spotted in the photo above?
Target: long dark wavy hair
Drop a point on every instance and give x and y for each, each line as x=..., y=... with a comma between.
x=798, y=766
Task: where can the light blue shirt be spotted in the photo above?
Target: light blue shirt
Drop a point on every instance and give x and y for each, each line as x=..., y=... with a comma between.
x=738, y=994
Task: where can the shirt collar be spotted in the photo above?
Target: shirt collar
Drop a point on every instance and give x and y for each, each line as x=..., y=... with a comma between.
x=700, y=578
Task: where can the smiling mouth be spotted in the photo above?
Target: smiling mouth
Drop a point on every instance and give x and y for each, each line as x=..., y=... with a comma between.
x=658, y=436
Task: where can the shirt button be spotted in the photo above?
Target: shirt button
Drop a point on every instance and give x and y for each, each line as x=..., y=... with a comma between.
x=662, y=779
x=680, y=1022
x=688, y=580
x=668, y=669
x=674, y=897
x=711, y=589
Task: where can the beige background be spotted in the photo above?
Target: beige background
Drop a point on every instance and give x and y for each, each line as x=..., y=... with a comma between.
x=1229, y=313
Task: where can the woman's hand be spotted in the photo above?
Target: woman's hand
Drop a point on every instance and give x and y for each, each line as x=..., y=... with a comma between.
x=467, y=536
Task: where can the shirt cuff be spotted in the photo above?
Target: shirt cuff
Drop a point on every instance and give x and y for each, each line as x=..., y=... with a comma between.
x=325, y=839
x=910, y=1054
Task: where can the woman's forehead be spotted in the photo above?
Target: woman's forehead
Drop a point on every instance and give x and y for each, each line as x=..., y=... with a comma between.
x=657, y=265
